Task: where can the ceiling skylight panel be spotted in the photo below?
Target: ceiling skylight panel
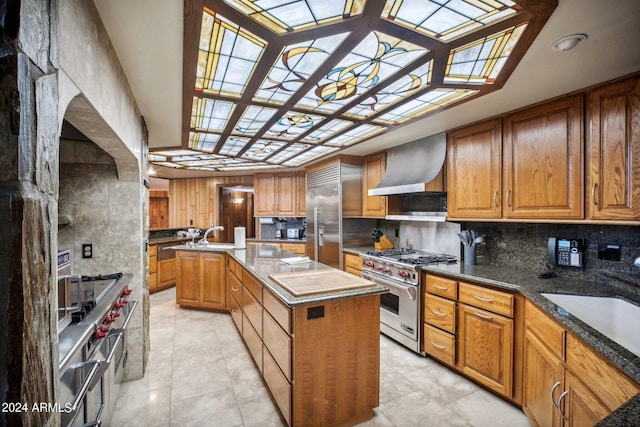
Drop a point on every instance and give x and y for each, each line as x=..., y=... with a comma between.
x=253, y=120
x=354, y=135
x=281, y=16
x=481, y=61
x=292, y=125
x=295, y=64
x=373, y=60
x=427, y=103
x=227, y=56
x=203, y=141
x=327, y=131
x=285, y=154
x=446, y=20
x=233, y=145
x=262, y=149
x=307, y=156
x=210, y=114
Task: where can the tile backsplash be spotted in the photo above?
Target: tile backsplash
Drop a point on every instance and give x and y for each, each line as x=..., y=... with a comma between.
x=524, y=246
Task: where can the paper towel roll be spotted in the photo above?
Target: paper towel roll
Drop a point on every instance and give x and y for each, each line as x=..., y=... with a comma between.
x=240, y=237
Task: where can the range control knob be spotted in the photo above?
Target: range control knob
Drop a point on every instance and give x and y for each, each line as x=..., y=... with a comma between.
x=403, y=274
x=126, y=291
x=114, y=314
x=103, y=328
x=100, y=334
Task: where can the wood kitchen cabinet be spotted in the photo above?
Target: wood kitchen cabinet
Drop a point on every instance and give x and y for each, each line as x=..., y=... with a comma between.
x=279, y=194
x=613, y=152
x=565, y=382
x=166, y=273
x=474, y=171
x=153, y=268
x=373, y=170
x=201, y=280
x=353, y=264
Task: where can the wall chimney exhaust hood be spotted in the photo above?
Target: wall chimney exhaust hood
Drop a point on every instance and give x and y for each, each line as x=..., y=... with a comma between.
x=411, y=166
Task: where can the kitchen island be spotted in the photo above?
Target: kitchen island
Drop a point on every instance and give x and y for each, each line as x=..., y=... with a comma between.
x=318, y=352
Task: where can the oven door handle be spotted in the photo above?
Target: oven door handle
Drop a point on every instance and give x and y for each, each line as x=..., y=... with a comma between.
x=119, y=336
x=85, y=385
x=412, y=292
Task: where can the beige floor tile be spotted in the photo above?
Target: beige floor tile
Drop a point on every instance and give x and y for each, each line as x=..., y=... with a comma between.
x=482, y=409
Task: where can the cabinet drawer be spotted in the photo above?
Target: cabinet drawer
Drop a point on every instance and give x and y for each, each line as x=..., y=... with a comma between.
x=278, y=343
x=234, y=287
x=489, y=299
x=253, y=342
x=606, y=381
x=236, y=312
x=280, y=312
x=353, y=271
x=294, y=248
x=253, y=285
x=153, y=250
x=440, y=312
x=352, y=261
x=440, y=286
x=545, y=328
x=153, y=264
x=253, y=310
x=279, y=386
x=439, y=344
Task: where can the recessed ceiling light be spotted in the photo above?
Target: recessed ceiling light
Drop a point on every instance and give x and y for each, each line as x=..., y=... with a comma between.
x=569, y=42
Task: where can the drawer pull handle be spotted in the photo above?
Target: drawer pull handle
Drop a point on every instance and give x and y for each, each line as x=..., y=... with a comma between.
x=442, y=288
x=441, y=347
x=438, y=313
x=553, y=389
x=495, y=199
x=234, y=289
x=483, y=316
x=483, y=299
x=562, y=396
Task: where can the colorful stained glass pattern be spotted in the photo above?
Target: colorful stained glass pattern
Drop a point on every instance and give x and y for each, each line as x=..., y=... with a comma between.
x=447, y=20
x=282, y=16
x=480, y=62
x=354, y=135
x=373, y=60
x=253, y=120
x=405, y=86
x=427, y=103
x=227, y=56
x=292, y=125
x=210, y=114
x=203, y=141
x=262, y=149
x=295, y=64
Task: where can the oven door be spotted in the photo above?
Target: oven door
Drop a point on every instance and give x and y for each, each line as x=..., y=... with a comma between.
x=399, y=307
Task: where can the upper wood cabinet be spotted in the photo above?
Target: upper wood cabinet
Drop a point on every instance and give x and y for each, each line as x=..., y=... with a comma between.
x=543, y=161
x=280, y=194
x=474, y=162
x=613, y=152
x=373, y=171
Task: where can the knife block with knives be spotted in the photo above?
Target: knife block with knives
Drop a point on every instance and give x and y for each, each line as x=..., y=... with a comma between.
x=380, y=241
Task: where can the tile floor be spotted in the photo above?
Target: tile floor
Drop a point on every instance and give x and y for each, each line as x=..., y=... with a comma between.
x=200, y=374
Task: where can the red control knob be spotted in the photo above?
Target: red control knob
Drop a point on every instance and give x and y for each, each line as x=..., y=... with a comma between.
x=103, y=328
x=121, y=303
x=387, y=270
x=127, y=291
x=109, y=319
x=114, y=314
x=403, y=274
x=368, y=263
x=100, y=334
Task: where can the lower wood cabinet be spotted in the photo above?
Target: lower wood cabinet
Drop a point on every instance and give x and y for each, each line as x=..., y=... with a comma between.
x=353, y=264
x=166, y=273
x=200, y=280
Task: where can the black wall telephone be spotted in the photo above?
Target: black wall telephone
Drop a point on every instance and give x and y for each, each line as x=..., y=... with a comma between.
x=566, y=252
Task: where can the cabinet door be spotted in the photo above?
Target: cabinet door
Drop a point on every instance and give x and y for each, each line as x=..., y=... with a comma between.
x=581, y=406
x=373, y=170
x=613, y=152
x=188, y=290
x=486, y=348
x=474, y=167
x=302, y=194
x=264, y=195
x=542, y=371
x=543, y=161
x=286, y=194
x=166, y=273
x=213, y=281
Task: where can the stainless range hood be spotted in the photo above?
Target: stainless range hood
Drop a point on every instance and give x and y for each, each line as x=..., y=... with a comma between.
x=410, y=167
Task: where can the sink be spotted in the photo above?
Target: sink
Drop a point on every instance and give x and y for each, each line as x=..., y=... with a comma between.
x=220, y=246
x=613, y=317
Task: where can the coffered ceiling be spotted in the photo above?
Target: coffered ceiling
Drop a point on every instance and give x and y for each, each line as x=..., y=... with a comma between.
x=272, y=84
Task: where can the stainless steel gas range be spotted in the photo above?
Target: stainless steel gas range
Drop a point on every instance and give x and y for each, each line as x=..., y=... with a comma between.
x=398, y=270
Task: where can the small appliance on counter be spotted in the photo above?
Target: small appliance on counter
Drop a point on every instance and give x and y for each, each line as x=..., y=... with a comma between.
x=294, y=233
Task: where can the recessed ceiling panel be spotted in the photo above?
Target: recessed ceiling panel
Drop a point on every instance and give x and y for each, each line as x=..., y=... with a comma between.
x=288, y=152
x=354, y=135
x=262, y=149
x=253, y=119
x=327, y=131
x=233, y=145
x=282, y=16
x=433, y=100
x=203, y=141
x=227, y=56
x=447, y=19
x=210, y=114
x=309, y=155
x=292, y=125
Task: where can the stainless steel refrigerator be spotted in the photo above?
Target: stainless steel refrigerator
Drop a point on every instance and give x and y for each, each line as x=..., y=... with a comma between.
x=334, y=213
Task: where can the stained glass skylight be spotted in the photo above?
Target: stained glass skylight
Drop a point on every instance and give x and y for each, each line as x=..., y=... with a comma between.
x=282, y=83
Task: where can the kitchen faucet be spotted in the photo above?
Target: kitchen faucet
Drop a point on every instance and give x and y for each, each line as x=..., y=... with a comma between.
x=203, y=241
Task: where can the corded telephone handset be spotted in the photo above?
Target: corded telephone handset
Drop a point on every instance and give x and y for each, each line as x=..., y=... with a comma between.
x=565, y=252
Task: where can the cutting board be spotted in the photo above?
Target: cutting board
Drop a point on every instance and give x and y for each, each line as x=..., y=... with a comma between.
x=301, y=283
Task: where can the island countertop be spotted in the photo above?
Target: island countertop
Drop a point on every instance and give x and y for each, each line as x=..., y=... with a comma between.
x=264, y=259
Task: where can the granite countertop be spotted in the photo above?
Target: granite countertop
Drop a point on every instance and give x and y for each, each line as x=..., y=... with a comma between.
x=275, y=240
x=264, y=259
x=173, y=239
